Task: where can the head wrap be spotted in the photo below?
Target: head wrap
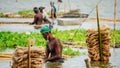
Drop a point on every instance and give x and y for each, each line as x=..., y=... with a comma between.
x=41, y=7
x=36, y=9
x=45, y=29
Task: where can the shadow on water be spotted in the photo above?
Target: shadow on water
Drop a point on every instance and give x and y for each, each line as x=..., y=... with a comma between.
x=96, y=64
x=53, y=65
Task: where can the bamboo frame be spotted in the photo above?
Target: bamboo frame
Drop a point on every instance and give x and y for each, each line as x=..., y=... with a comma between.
x=29, y=59
x=99, y=34
x=114, y=21
x=87, y=62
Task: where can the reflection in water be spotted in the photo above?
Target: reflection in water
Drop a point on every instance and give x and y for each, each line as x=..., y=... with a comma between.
x=54, y=65
x=100, y=64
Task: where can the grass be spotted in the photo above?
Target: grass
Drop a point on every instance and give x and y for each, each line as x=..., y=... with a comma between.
x=67, y=35
x=117, y=38
x=26, y=13
x=1, y=14
x=12, y=39
x=71, y=52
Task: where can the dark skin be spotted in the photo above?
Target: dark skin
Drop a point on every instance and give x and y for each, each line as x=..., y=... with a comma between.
x=53, y=13
x=38, y=19
x=53, y=47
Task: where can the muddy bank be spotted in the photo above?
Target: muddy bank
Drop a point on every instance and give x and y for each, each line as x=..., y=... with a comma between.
x=101, y=20
x=85, y=6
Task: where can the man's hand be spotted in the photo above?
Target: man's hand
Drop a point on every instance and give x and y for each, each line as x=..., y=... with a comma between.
x=44, y=60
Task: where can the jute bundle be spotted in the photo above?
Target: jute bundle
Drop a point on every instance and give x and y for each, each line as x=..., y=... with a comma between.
x=20, y=57
x=93, y=43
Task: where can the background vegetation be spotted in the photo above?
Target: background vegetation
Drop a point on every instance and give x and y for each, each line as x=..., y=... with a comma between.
x=13, y=39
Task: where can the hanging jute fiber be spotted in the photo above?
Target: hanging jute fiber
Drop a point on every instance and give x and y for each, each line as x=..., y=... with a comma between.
x=93, y=43
x=20, y=57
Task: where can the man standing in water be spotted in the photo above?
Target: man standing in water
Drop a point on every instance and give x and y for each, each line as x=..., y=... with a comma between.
x=53, y=10
x=45, y=16
x=53, y=46
x=38, y=18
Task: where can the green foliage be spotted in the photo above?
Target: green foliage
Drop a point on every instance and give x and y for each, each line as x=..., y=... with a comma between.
x=69, y=51
x=26, y=13
x=1, y=14
x=67, y=35
x=12, y=39
x=117, y=38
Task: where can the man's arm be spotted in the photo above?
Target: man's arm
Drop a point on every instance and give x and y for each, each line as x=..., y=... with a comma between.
x=46, y=52
x=52, y=13
x=35, y=19
x=57, y=50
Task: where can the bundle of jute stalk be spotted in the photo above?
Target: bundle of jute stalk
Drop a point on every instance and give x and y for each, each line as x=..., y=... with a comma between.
x=93, y=43
x=20, y=57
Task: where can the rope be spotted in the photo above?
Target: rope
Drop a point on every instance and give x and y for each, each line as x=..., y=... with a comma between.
x=86, y=19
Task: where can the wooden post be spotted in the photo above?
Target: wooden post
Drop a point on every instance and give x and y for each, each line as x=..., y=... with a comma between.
x=99, y=34
x=33, y=42
x=64, y=7
x=29, y=60
x=69, y=4
x=114, y=21
x=16, y=0
x=88, y=65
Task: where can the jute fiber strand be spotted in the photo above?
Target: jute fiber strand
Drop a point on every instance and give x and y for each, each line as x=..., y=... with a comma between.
x=93, y=43
x=20, y=57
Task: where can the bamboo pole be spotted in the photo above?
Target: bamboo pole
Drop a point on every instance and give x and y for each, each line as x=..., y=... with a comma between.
x=29, y=60
x=114, y=21
x=99, y=34
x=87, y=62
x=69, y=4
x=64, y=7
x=33, y=42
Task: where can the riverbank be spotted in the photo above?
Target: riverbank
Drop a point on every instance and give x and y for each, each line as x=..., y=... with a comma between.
x=30, y=20
x=85, y=6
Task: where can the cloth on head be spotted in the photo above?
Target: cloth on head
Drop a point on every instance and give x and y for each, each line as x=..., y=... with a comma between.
x=36, y=9
x=41, y=7
x=45, y=29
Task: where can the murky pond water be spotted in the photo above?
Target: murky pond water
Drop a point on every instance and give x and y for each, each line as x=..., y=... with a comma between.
x=30, y=28
x=78, y=61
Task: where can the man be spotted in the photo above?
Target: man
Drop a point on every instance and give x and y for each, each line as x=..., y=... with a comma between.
x=53, y=10
x=59, y=0
x=53, y=46
x=45, y=16
x=38, y=18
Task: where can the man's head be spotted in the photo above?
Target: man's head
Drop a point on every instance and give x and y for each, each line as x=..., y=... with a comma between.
x=41, y=8
x=46, y=32
x=52, y=4
x=36, y=10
